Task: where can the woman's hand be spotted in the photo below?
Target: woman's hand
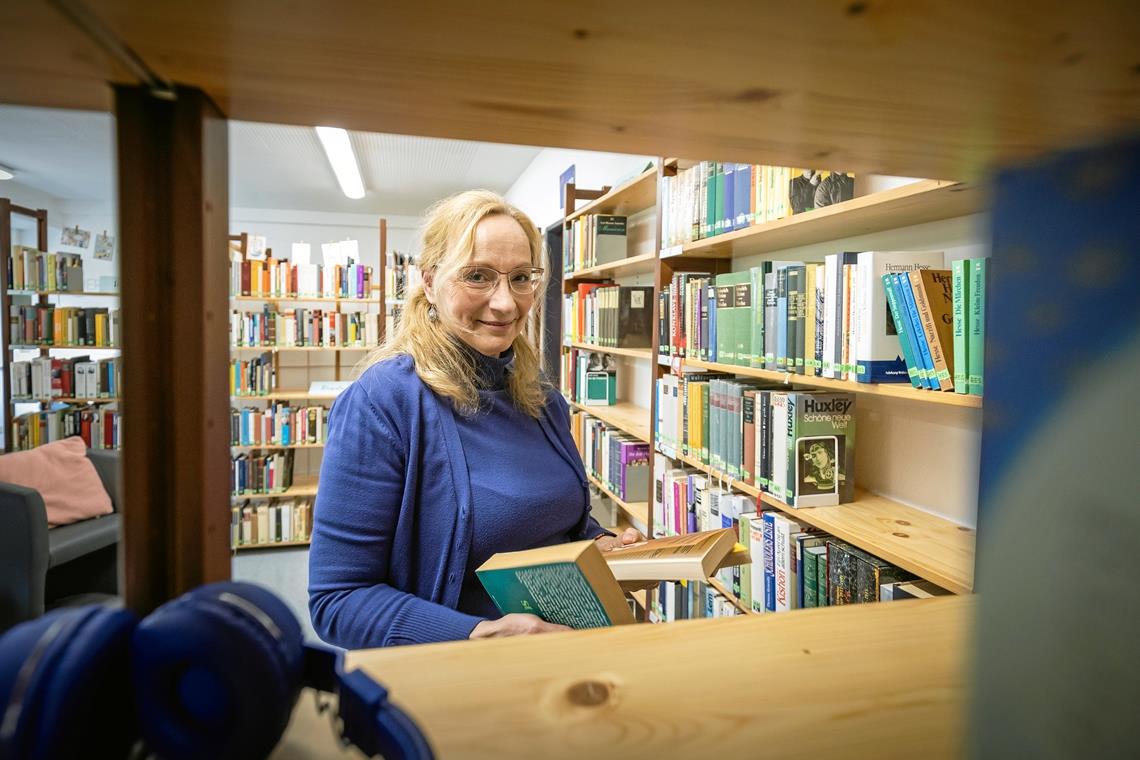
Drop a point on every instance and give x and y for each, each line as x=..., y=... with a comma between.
x=515, y=624
x=628, y=536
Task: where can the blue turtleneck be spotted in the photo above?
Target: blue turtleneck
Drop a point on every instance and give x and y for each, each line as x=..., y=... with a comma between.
x=525, y=494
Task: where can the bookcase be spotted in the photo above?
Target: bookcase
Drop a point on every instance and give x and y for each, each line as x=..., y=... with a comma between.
x=98, y=412
x=293, y=369
x=918, y=541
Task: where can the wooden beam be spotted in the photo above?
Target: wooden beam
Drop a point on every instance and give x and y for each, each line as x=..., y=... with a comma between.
x=801, y=684
x=173, y=212
x=922, y=88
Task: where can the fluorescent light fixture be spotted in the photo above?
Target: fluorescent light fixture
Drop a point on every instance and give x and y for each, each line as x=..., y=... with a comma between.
x=343, y=160
x=6, y=173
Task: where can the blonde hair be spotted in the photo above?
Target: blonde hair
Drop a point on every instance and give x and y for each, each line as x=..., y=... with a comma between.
x=440, y=359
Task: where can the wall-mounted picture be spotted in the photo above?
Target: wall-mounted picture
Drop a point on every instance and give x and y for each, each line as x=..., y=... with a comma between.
x=104, y=246
x=75, y=237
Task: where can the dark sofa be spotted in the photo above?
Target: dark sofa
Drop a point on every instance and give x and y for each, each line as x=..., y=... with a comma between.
x=41, y=568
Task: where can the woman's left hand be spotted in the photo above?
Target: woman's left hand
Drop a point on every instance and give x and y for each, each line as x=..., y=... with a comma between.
x=628, y=536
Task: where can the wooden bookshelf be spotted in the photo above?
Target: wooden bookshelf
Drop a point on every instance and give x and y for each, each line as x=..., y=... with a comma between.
x=625, y=416
x=629, y=265
x=287, y=396
x=634, y=353
x=891, y=390
x=270, y=545
x=927, y=545
x=638, y=510
x=274, y=447
x=86, y=293
x=302, y=348
x=304, y=299
x=626, y=199
x=50, y=347
x=731, y=597
x=924, y=201
x=301, y=487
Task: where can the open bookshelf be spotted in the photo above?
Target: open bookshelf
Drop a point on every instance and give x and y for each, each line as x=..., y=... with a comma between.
x=638, y=510
x=339, y=367
x=916, y=540
x=626, y=199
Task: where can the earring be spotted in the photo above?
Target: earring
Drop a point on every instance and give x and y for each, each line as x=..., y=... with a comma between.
x=433, y=315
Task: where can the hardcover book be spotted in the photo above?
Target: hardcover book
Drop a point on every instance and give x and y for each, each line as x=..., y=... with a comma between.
x=569, y=584
x=933, y=296
x=609, y=239
x=690, y=556
x=820, y=443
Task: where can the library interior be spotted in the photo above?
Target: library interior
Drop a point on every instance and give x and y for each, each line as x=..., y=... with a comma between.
x=813, y=343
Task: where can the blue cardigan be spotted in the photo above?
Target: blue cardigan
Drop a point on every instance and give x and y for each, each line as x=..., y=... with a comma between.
x=392, y=522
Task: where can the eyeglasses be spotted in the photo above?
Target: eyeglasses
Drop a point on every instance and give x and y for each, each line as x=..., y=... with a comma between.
x=522, y=281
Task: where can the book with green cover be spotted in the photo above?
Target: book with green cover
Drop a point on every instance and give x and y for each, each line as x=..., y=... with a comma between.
x=900, y=321
x=569, y=584
x=961, y=288
x=976, y=343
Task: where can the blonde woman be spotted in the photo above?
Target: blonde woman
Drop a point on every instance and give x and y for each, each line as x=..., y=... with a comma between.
x=448, y=448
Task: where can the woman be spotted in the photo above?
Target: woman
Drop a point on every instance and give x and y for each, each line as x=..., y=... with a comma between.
x=448, y=448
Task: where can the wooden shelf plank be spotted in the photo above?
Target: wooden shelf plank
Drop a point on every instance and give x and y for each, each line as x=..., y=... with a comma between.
x=516, y=697
x=270, y=545
x=646, y=262
x=638, y=510
x=39, y=346
x=287, y=396
x=625, y=416
x=302, y=299
x=626, y=199
x=927, y=545
x=62, y=293
x=923, y=201
x=886, y=390
x=302, y=348
x=634, y=353
x=272, y=447
x=66, y=400
x=306, y=486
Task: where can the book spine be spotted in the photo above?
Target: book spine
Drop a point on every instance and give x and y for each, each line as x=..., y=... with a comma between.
x=921, y=348
x=901, y=329
x=922, y=300
x=977, y=337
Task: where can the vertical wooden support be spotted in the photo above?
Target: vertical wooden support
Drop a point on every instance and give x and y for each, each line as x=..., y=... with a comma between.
x=174, y=216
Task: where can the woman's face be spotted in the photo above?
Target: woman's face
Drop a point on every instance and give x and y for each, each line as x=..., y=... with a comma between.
x=487, y=320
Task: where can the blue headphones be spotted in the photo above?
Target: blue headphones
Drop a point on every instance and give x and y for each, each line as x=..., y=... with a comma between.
x=214, y=673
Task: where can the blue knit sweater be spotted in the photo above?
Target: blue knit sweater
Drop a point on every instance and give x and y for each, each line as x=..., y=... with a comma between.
x=393, y=526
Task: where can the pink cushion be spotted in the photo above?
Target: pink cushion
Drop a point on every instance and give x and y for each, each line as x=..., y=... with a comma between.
x=64, y=476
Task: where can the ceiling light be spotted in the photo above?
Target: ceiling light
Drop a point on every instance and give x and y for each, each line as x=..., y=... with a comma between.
x=6, y=173
x=343, y=160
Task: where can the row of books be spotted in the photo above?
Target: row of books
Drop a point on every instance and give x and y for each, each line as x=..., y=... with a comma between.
x=592, y=240
x=279, y=278
x=401, y=274
x=278, y=521
x=76, y=377
x=688, y=600
x=617, y=459
x=253, y=377
x=32, y=269
x=100, y=427
x=589, y=377
x=304, y=327
x=278, y=425
x=798, y=446
x=52, y=325
x=874, y=316
x=712, y=198
x=258, y=473
x=612, y=316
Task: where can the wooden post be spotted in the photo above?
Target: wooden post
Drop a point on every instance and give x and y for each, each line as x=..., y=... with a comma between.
x=173, y=216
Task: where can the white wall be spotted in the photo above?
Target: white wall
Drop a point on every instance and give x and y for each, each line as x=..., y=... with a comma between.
x=536, y=189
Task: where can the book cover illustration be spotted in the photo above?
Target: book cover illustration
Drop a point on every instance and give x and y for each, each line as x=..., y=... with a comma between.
x=821, y=449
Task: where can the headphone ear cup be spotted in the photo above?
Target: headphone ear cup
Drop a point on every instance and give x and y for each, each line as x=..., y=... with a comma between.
x=216, y=672
x=65, y=685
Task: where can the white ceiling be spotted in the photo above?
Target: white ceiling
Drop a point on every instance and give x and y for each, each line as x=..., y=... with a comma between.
x=70, y=155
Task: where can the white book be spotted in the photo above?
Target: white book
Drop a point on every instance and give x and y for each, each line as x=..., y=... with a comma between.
x=878, y=354
x=784, y=555
x=660, y=466
x=778, y=484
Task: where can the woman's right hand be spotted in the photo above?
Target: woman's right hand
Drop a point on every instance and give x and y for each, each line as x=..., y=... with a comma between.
x=515, y=624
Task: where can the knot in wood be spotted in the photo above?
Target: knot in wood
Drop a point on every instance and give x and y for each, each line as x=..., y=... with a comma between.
x=588, y=693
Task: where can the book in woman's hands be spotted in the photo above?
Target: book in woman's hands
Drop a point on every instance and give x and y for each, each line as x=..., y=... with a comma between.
x=691, y=557
x=576, y=584
x=568, y=584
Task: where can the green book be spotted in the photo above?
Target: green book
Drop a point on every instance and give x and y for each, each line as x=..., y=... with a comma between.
x=976, y=342
x=812, y=556
x=901, y=322
x=796, y=282
x=821, y=579
x=568, y=584
x=710, y=198
x=742, y=318
x=961, y=288
x=717, y=223
x=756, y=318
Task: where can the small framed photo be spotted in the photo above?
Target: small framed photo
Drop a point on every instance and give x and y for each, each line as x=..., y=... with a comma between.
x=75, y=237
x=104, y=246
